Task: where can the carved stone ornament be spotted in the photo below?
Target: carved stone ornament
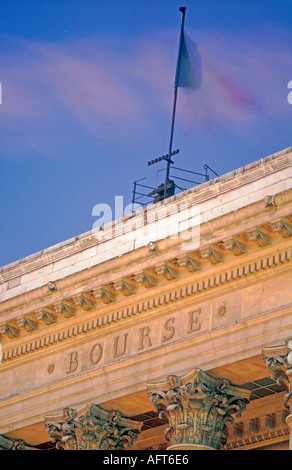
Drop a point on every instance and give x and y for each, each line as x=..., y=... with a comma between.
x=197, y=407
x=259, y=237
x=10, y=330
x=279, y=361
x=13, y=444
x=105, y=294
x=84, y=301
x=235, y=246
x=189, y=262
x=283, y=227
x=214, y=256
x=125, y=286
x=92, y=428
x=46, y=315
x=27, y=323
x=146, y=278
x=66, y=308
x=167, y=270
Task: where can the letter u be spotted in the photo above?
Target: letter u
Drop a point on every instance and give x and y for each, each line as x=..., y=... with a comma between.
x=116, y=346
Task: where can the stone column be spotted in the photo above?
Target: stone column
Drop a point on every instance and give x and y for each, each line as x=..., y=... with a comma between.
x=92, y=428
x=197, y=407
x=279, y=361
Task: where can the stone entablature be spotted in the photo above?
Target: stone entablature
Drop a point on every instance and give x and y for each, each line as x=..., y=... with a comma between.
x=217, y=198
x=104, y=299
x=59, y=303
x=133, y=318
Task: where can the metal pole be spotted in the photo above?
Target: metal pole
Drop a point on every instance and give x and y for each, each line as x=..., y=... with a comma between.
x=183, y=11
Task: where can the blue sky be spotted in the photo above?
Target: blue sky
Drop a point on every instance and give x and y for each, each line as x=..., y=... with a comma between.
x=87, y=94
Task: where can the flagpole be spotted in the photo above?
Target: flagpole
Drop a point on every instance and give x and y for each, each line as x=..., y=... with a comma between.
x=183, y=11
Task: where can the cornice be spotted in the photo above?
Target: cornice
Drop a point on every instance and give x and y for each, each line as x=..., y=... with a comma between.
x=197, y=195
x=257, y=242
x=21, y=335
x=271, y=220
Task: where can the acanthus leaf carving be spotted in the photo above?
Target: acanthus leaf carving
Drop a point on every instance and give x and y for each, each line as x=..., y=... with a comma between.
x=278, y=360
x=92, y=428
x=197, y=407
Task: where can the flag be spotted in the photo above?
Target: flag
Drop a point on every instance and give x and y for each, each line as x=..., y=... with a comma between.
x=189, y=68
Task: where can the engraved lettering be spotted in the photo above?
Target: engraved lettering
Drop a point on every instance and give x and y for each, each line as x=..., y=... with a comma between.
x=169, y=328
x=95, y=353
x=144, y=335
x=73, y=362
x=116, y=346
x=194, y=323
x=122, y=344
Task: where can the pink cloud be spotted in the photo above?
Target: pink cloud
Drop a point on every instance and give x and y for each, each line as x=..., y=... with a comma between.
x=104, y=85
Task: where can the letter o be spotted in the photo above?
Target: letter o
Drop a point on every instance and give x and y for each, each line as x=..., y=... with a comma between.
x=95, y=353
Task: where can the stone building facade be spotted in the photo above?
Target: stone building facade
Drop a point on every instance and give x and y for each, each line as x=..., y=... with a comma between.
x=169, y=329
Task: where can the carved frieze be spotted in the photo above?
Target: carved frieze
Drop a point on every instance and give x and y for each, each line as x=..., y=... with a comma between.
x=92, y=428
x=197, y=407
x=106, y=294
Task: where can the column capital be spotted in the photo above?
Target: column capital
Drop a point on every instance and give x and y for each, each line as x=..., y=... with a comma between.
x=13, y=444
x=197, y=407
x=278, y=359
x=91, y=427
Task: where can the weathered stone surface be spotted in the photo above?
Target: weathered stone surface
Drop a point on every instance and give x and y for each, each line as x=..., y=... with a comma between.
x=91, y=427
x=197, y=407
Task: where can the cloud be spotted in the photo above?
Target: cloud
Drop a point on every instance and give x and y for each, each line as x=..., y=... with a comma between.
x=111, y=87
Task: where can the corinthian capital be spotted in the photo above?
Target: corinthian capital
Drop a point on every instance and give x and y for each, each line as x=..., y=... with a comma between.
x=197, y=407
x=92, y=428
x=279, y=361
